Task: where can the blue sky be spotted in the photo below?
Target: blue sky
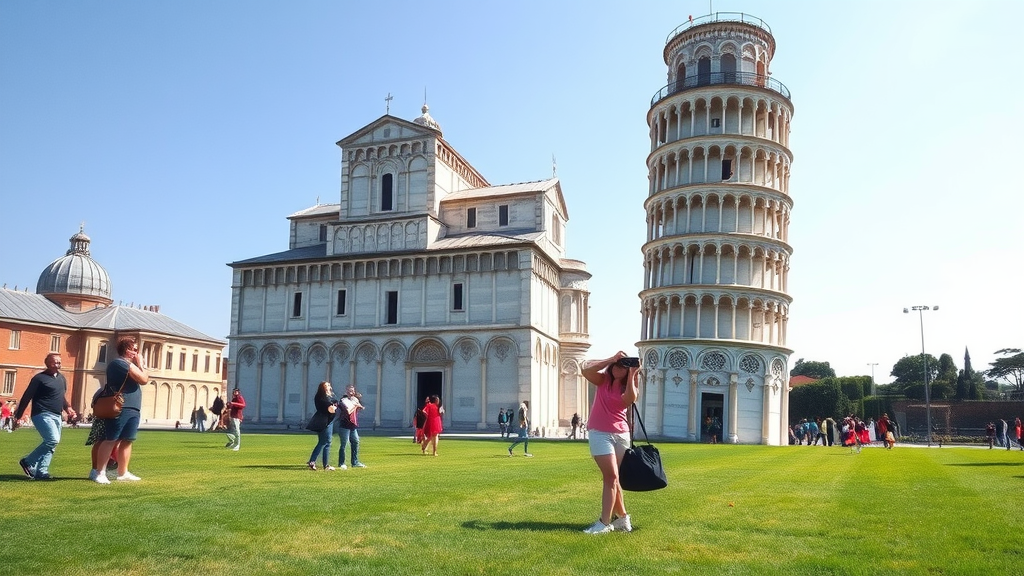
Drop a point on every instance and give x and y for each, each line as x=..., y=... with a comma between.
x=183, y=133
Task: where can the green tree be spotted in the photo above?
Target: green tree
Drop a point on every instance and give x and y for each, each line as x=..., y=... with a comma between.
x=1010, y=369
x=812, y=369
x=910, y=370
x=947, y=371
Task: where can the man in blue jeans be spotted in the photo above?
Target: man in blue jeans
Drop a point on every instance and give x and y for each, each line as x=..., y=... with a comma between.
x=348, y=426
x=47, y=392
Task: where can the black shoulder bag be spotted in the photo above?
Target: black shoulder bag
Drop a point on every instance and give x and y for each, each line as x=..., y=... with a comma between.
x=641, y=468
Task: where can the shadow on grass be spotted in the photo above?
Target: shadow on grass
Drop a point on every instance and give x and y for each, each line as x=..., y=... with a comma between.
x=276, y=466
x=987, y=464
x=530, y=526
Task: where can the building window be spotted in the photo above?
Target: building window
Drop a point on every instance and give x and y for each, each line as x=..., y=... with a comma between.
x=207, y=367
x=387, y=193
x=195, y=362
x=457, y=297
x=15, y=340
x=55, y=343
x=503, y=215
x=297, y=305
x=556, y=230
x=170, y=361
x=471, y=218
x=323, y=232
x=340, y=307
x=102, y=356
x=726, y=169
x=181, y=362
x=9, y=383
x=392, y=311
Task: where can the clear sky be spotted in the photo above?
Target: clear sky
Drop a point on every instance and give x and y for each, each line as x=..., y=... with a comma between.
x=184, y=133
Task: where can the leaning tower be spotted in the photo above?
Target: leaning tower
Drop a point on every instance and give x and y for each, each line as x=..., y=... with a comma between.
x=715, y=301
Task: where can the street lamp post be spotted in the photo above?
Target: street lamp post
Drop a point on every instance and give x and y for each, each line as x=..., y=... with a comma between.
x=927, y=389
x=874, y=391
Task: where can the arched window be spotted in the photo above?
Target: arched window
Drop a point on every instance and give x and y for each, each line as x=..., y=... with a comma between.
x=680, y=78
x=704, y=71
x=728, y=68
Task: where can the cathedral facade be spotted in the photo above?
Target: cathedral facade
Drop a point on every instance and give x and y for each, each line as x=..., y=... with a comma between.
x=423, y=279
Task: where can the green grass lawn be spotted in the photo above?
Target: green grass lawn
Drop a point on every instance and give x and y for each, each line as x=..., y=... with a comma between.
x=745, y=510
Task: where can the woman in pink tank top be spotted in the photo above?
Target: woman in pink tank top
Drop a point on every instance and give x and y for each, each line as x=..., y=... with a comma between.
x=617, y=390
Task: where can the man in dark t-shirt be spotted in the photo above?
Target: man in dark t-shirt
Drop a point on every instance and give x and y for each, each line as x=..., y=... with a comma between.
x=47, y=393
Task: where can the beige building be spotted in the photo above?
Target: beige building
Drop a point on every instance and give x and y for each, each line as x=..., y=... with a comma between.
x=71, y=313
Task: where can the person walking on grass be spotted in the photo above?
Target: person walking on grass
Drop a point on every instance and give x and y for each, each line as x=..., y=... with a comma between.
x=47, y=393
x=617, y=389
x=524, y=430
x=322, y=422
x=235, y=409
x=433, y=427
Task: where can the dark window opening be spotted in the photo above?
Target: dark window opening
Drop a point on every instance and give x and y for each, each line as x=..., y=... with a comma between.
x=503, y=215
x=297, y=305
x=392, y=311
x=726, y=169
x=341, y=303
x=716, y=122
x=704, y=71
x=323, y=232
x=471, y=218
x=457, y=296
x=102, y=356
x=387, y=193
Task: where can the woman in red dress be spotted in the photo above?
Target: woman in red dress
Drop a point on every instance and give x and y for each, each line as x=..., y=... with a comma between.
x=432, y=429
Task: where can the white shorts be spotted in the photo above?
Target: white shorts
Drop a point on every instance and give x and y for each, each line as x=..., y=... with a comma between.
x=604, y=443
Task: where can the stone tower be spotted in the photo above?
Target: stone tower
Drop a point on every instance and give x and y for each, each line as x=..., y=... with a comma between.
x=716, y=260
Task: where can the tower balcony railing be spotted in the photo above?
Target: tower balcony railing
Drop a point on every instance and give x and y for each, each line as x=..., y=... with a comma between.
x=713, y=78
x=718, y=17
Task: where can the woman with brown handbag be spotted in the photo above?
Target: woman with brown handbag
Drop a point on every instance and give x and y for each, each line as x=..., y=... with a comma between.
x=129, y=370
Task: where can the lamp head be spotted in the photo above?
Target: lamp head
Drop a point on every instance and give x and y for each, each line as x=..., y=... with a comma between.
x=906, y=311
x=935, y=307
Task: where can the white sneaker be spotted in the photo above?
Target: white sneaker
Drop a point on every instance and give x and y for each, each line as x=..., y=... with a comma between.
x=128, y=477
x=101, y=479
x=599, y=528
x=528, y=455
x=342, y=467
x=622, y=524
x=359, y=465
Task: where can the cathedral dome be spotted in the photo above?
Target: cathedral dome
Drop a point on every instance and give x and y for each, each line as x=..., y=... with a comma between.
x=426, y=120
x=76, y=276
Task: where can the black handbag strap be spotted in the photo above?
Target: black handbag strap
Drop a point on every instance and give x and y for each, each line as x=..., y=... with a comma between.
x=636, y=416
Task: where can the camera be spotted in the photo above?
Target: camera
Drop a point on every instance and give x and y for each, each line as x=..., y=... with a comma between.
x=629, y=362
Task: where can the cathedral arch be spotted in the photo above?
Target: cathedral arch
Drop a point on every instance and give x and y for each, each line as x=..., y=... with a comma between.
x=270, y=354
x=393, y=352
x=429, y=350
x=341, y=352
x=465, y=349
x=317, y=353
x=366, y=352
